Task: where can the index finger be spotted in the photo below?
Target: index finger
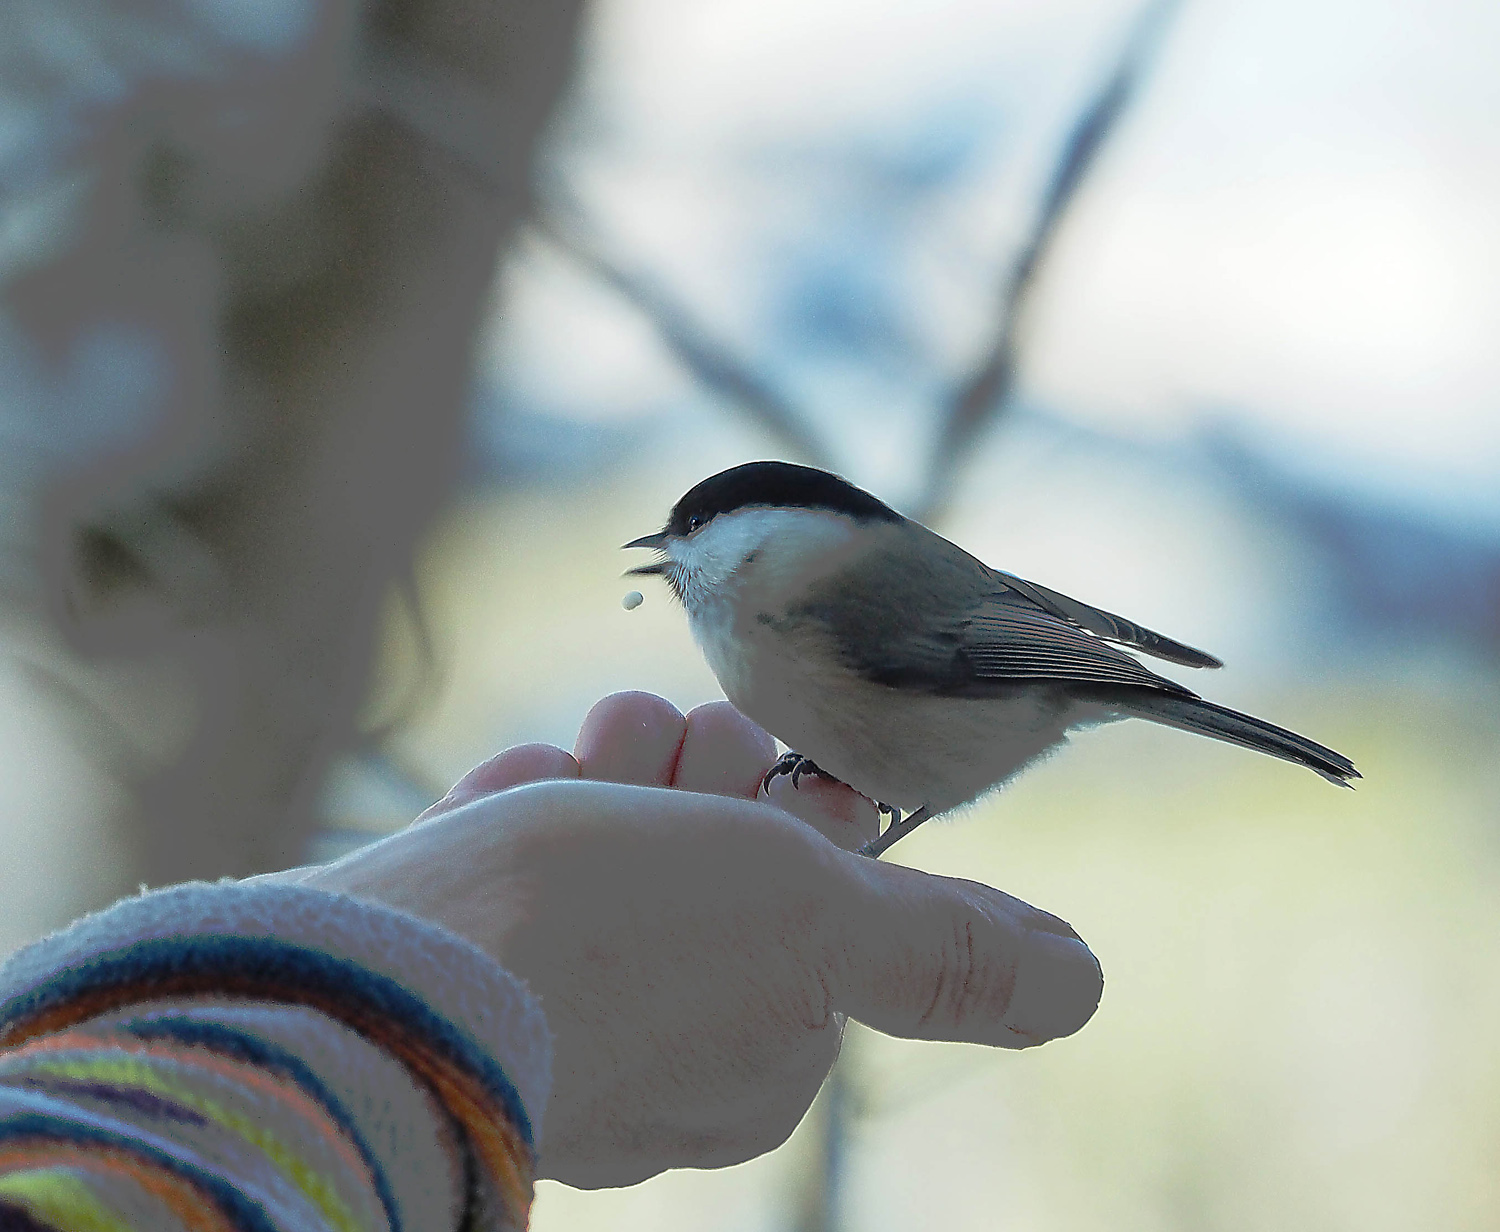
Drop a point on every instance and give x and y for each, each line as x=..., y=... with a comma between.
x=631, y=737
x=723, y=753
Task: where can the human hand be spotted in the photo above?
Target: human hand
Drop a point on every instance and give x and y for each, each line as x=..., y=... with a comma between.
x=696, y=954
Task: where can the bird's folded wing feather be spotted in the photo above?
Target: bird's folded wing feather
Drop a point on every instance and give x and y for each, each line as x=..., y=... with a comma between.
x=1107, y=625
x=982, y=650
x=960, y=628
x=1003, y=642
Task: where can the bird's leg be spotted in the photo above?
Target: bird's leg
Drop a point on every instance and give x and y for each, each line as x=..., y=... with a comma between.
x=795, y=765
x=895, y=832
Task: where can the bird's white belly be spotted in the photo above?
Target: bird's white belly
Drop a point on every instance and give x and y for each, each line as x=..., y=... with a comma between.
x=897, y=746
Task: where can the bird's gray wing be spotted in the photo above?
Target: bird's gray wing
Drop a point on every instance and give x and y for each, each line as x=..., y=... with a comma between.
x=982, y=645
x=1107, y=625
x=1004, y=641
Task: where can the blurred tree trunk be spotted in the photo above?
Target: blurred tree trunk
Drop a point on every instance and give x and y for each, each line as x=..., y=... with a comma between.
x=295, y=250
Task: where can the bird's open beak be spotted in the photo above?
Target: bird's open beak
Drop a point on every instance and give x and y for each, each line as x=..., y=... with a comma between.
x=656, y=543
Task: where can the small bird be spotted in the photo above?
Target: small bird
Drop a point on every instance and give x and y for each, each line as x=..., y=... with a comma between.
x=892, y=660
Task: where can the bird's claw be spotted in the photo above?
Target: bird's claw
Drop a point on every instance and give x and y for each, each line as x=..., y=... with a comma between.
x=795, y=766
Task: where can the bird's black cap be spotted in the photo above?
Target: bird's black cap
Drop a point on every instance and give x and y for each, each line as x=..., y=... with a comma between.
x=774, y=485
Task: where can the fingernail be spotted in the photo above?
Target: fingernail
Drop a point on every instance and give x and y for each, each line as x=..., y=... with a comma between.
x=1040, y=921
x=1058, y=986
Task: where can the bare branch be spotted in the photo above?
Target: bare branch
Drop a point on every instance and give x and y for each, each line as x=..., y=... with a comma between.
x=709, y=360
x=984, y=396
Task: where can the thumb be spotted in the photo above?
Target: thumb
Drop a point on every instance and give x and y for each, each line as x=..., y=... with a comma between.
x=934, y=957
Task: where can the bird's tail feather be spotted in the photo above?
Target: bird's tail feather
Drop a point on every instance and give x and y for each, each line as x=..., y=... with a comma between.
x=1208, y=719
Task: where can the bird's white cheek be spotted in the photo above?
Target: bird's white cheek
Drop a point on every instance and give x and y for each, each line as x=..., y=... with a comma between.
x=709, y=570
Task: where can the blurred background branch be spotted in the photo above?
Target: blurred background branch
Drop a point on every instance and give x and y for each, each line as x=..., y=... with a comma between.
x=709, y=360
x=978, y=402
x=983, y=397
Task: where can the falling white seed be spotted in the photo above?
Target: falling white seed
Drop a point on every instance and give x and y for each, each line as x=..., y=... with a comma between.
x=632, y=601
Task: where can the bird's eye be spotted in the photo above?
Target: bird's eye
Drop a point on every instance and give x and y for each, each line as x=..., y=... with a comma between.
x=694, y=522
